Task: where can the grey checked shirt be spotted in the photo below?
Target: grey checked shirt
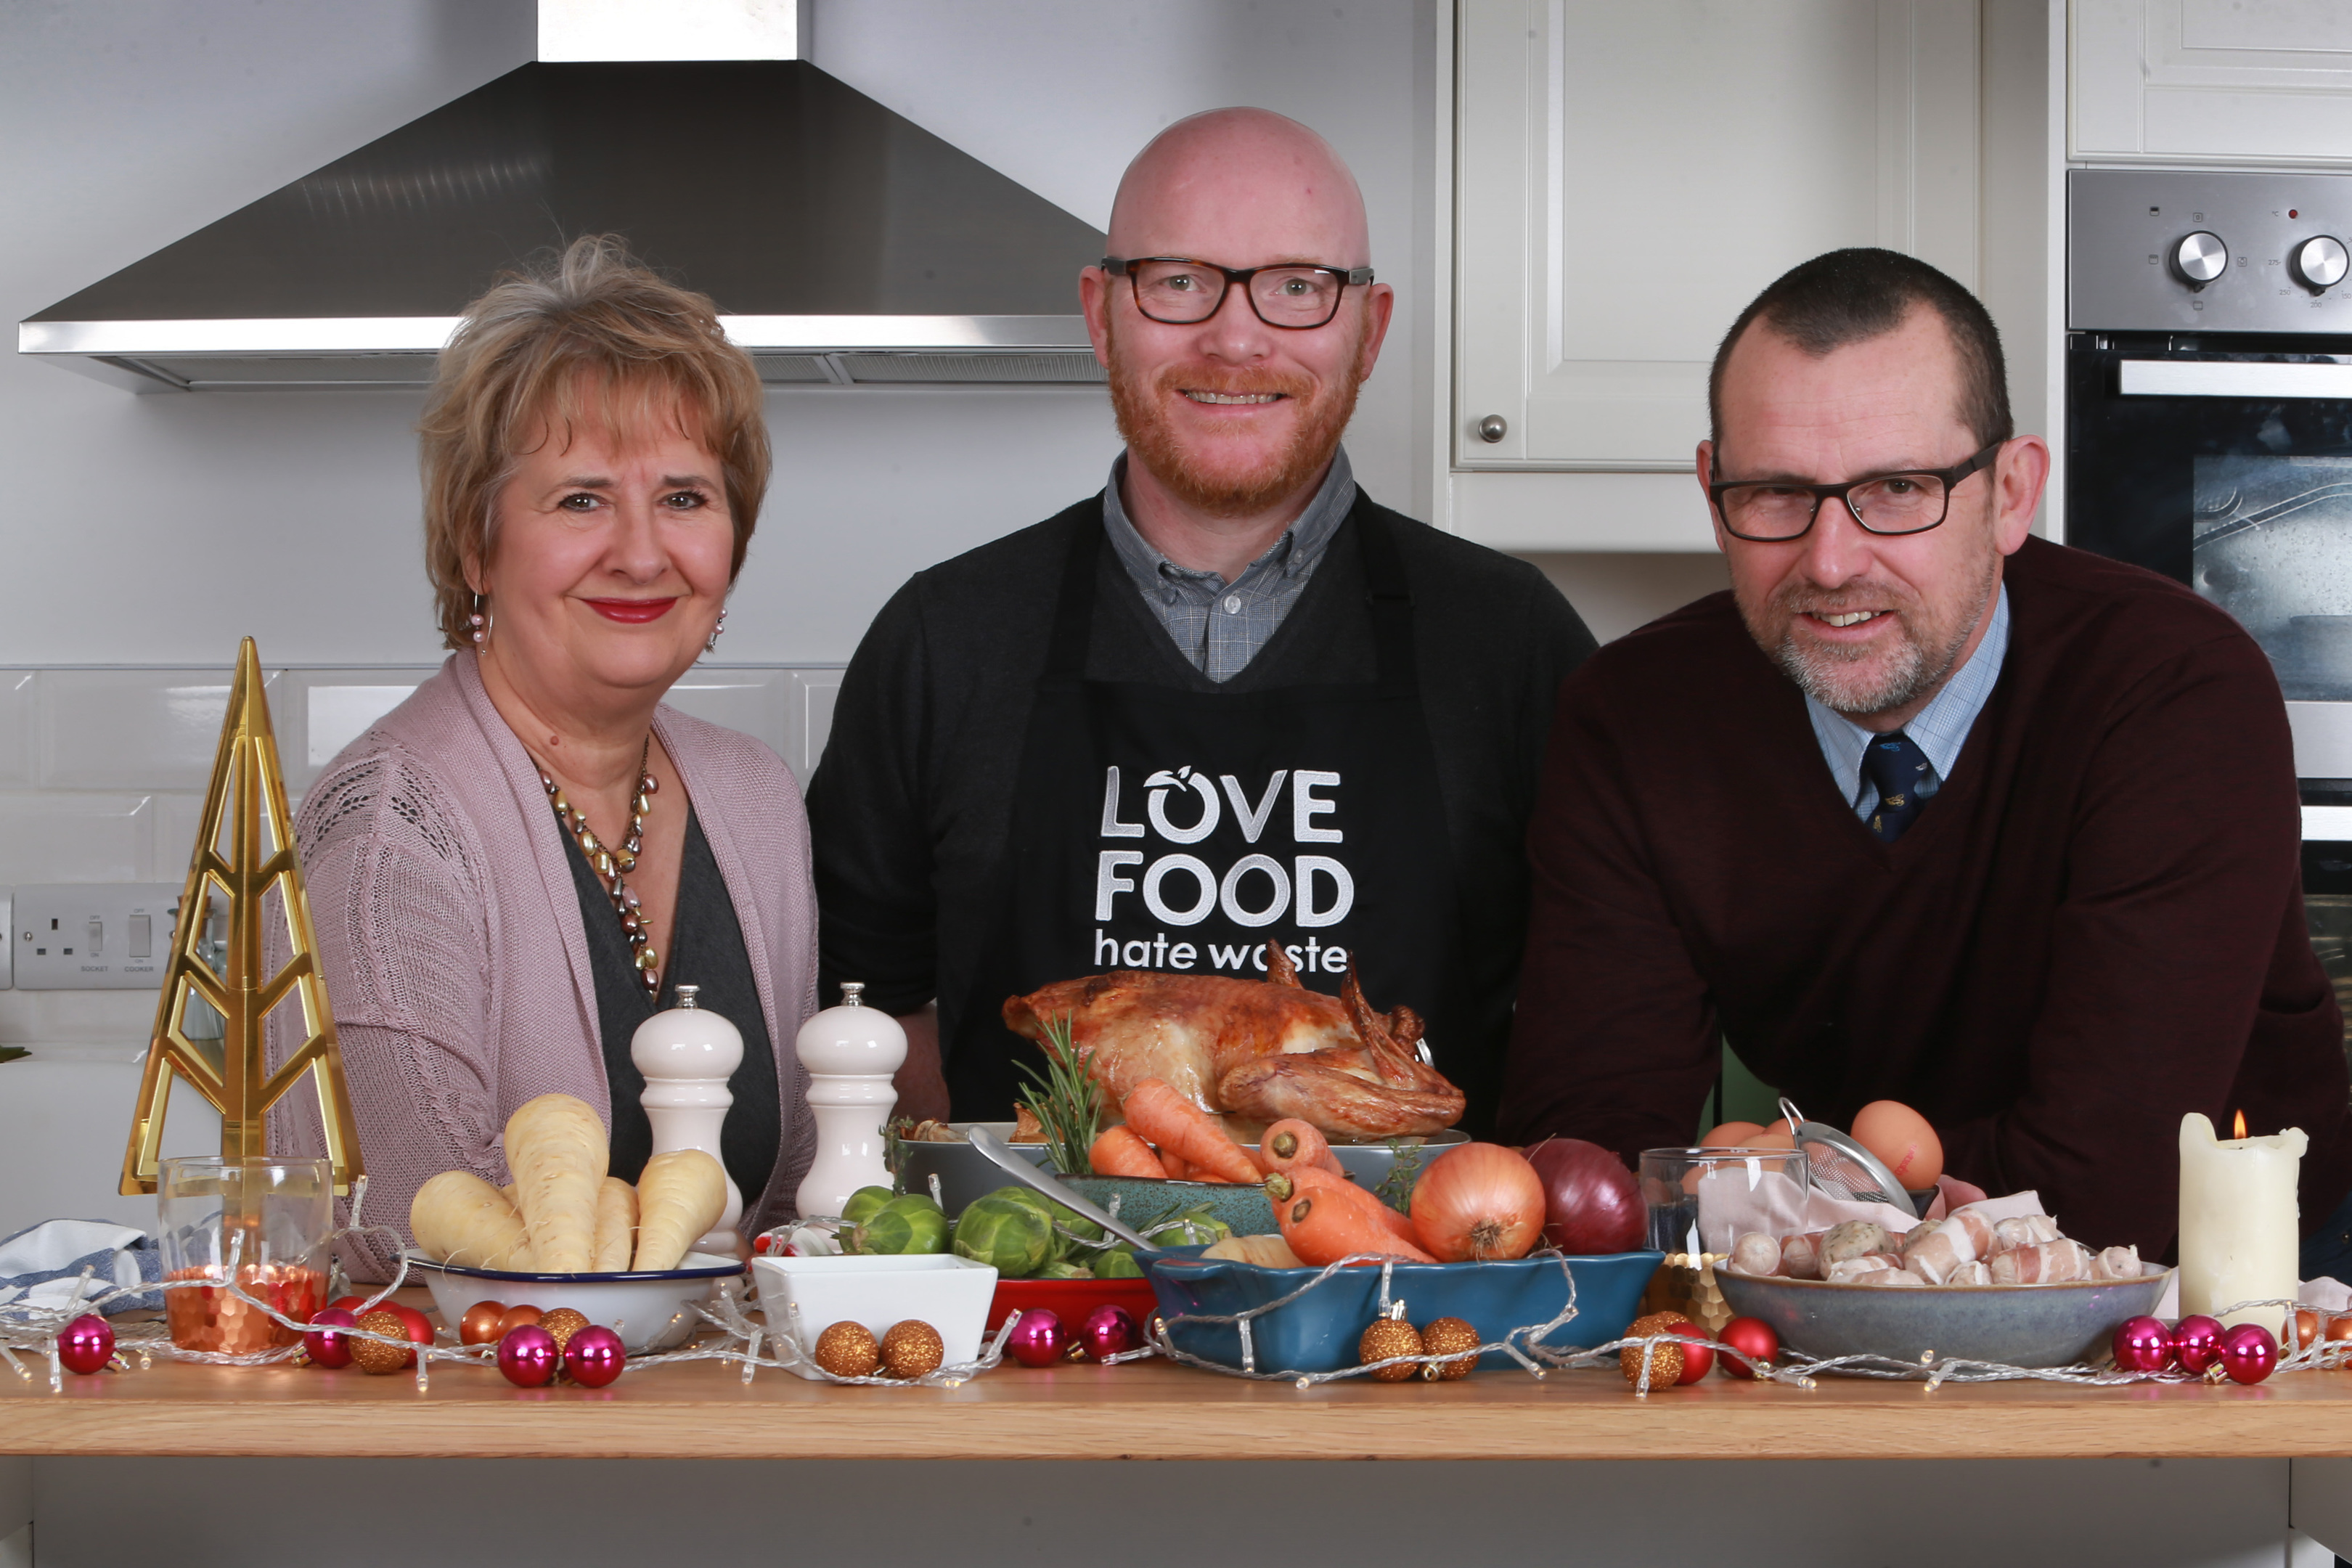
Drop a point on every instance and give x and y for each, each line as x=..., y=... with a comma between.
x=1940, y=729
x=1220, y=626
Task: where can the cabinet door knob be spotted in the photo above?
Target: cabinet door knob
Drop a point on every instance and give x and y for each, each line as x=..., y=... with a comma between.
x=1493, y=428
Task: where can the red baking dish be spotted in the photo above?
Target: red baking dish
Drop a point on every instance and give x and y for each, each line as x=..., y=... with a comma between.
x=1071, y=1300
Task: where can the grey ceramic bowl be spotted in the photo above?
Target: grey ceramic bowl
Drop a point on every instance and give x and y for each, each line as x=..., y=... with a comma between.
x=966, y=1174
x=2019, y=1325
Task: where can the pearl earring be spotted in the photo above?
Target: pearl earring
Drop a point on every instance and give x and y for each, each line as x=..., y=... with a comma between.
x=717, y=632
x=481, y=625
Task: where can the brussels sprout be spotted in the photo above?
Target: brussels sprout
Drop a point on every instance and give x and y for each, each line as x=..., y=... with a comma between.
x=1013, y=1237
x=1117, y=1263
x=1194, y=1227
x=908, y=1224
x=1061, y=1219
x=1066, y=1271
x=863, y=1203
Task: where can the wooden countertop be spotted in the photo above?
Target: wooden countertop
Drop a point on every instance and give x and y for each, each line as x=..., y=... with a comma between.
x=1150, y=1410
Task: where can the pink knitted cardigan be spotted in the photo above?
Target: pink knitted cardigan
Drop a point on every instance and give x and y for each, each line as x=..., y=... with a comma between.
x=450, y=937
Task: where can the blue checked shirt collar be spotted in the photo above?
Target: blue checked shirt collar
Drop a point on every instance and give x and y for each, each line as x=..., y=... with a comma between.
x=1218, y=626
x=1939, y=729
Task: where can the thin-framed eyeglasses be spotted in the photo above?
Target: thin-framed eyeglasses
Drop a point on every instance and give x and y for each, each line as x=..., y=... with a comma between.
x=1773, y=511
x=1183, y=291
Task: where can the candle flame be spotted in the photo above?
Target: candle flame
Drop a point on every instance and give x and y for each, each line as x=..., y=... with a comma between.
x=2239, y=1130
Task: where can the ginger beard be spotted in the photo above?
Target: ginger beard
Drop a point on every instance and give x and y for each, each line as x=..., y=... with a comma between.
x=1859, y=680
x=1230, y=475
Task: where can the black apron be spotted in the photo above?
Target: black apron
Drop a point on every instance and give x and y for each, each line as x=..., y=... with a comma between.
x=1156, y=827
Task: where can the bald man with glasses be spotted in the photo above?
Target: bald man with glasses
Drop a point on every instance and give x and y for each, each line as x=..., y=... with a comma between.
x=1925, y=808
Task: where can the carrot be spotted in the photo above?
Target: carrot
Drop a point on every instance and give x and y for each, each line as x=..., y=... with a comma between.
x=1120, y=1153
x=1173, y=1165
x=1322, y=1227
x=1157, y=1112
x=1291, y=1141
x=1284, y=1185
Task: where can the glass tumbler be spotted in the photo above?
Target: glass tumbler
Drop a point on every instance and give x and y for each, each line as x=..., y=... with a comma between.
x=274, y=1216
x=1758, y=1183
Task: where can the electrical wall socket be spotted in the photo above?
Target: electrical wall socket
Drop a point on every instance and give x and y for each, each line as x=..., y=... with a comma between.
x=91, y=936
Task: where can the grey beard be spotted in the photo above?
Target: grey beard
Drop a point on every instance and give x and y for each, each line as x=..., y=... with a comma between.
x=1910, y=676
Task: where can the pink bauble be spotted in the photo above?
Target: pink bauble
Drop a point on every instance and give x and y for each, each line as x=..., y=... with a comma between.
x=529, y=1357
x=2249, y=1353
x=594, y=1356
x=2197, y=1342
x=2143, y=1344
x=1110, y=1331
x=86, y=1344
x=327, y=1348
x=1039, y=1339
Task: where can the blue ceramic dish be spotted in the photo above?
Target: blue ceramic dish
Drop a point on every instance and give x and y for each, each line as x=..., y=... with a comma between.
x=1319, y=1331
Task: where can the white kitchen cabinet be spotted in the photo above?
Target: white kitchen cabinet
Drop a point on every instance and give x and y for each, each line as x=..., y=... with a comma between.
x=1626, y=178
x=2192, y=81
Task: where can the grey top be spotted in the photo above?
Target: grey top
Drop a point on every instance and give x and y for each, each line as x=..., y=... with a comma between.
x=1940, y=729
x=1218, y=626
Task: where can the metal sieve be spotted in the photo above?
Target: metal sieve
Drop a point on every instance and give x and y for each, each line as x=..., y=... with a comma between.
x=1844, y=1168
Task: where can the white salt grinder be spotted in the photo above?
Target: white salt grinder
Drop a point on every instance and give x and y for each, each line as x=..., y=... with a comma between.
x=850, y=1052
x=688, y=1054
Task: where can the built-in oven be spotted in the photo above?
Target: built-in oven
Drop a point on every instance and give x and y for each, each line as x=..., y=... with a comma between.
x=2209, y=435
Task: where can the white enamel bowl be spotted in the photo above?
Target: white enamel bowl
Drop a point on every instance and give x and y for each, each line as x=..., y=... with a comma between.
x=650, y=1311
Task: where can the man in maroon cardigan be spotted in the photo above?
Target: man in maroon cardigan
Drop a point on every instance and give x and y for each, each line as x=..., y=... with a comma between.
x=1925, y=808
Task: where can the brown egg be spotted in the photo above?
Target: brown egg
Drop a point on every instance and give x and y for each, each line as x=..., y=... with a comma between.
x=1902, y=1141
x=515, y=1318
x=1780, y=1135
x=1730, y=1135
x=480, y=1325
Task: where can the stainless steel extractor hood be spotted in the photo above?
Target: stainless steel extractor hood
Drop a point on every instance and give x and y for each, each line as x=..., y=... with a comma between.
x=846, y=244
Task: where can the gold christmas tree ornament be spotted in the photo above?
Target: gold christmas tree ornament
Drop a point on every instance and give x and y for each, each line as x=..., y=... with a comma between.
x=211, y=1022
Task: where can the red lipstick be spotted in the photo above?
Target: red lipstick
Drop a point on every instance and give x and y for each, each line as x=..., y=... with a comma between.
x=631, y=612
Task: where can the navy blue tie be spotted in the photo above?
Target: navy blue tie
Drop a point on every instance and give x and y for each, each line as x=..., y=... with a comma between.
x=1905, y=779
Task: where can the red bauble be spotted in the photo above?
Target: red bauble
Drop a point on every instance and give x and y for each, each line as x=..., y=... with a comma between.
x=594, y=1356
x=1039, y=1339
x=1696, y=1359
x=85, y=1344
x=2143, y=1344
x=528, y=1356
x=1110, y=1331
x=2248, y=1352
x=1751, y=1337
x=327, y=1348
x=2197, y=1342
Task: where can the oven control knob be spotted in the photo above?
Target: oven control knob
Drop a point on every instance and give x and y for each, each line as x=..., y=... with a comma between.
x=2201, y=259
x=2321, y=263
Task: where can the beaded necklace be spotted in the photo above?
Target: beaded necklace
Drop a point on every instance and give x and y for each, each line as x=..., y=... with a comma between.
x=609, y=864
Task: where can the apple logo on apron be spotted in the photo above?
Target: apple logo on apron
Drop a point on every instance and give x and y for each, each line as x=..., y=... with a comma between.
x=1179, y=888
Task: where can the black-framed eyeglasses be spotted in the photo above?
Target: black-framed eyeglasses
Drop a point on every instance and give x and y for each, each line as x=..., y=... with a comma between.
x=1773, y=511
x=1181, y=291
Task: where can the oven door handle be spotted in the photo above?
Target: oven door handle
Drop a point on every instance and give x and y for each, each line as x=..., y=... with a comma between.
x=2231, y=378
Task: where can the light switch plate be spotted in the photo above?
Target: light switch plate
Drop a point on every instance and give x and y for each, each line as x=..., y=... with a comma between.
x=89, y=936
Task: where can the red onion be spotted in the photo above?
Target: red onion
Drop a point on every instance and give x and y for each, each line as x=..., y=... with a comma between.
x=1591, y=1203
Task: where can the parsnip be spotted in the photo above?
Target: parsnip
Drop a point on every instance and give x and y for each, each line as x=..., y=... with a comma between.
x=680, y=1195
x=457, y=1217
x=616, y=1225
x=1264, y=1251
x=556, y=1148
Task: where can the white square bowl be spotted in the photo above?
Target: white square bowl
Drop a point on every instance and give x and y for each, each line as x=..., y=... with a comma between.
x=947, y=1292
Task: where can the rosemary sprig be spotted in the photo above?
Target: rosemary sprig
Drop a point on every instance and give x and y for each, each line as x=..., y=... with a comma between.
x=1396, y=1190
x=1063, y=1101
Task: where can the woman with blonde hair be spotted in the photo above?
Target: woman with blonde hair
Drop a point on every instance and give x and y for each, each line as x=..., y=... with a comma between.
x=513, y=868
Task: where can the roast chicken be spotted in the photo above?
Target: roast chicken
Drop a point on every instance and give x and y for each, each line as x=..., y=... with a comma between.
x=1258, y=1050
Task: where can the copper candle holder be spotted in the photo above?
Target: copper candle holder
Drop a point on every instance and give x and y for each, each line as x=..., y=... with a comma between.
x=269, y=1220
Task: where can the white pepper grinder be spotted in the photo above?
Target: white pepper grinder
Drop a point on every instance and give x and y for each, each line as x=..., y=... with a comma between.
x=688, y=1054
x=850, y=1052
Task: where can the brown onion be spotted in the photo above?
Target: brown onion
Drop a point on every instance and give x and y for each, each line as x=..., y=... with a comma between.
x=1478, y=1201
x=1591, y=1202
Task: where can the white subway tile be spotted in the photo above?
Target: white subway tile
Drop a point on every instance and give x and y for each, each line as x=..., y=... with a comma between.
x=17, y=693
x=819, y=688
x=128, y=729
x=318, y=712
x=57, y=837
x=758, y=703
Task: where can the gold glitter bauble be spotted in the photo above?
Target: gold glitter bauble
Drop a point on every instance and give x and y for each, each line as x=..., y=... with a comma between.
x=369, y=1356
x=1445, y=1336
x=848, y=1350
x=1389, y=1336
x=912, y=1349
x=1665, y=1361
x=563, y=1322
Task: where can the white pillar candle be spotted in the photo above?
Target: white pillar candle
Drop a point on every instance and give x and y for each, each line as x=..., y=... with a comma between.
x=2240, y=1224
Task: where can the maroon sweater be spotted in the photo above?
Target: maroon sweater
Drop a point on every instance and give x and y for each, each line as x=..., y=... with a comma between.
x=2095, y=926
